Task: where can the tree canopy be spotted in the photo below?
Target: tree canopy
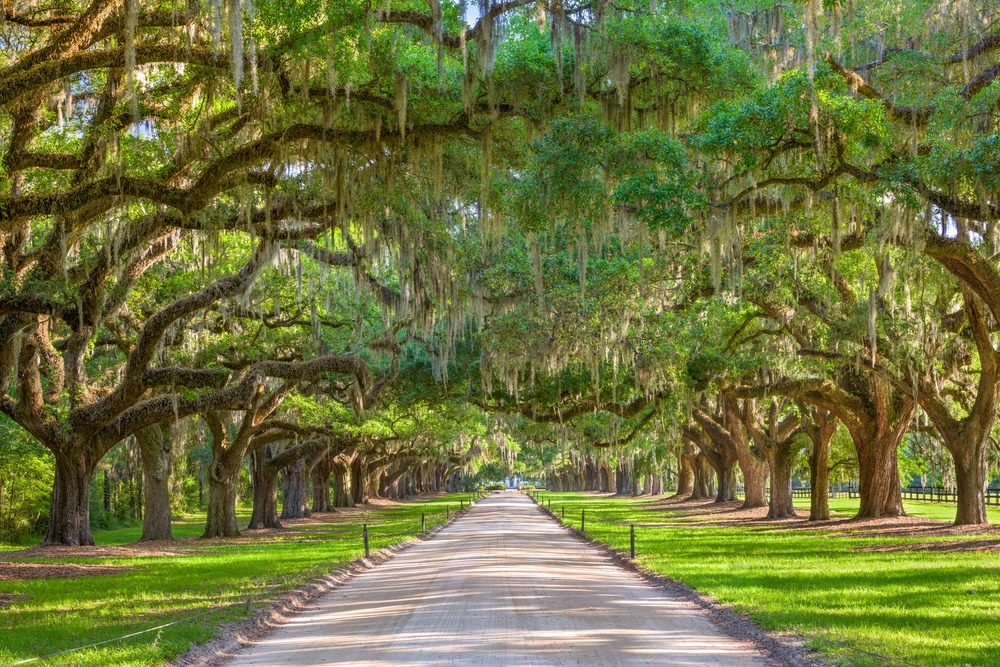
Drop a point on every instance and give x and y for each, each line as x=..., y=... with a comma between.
x=643, y=243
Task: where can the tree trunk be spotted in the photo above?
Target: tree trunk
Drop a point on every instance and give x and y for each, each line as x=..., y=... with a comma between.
x=780, y=461
x=321, y=485
x=371, y=482
x=878, y=467
x=69, y=514
x=685, y=475
x=656, y=485
x=703, y=472
x=295, y=483
x=723, y=460
x=819, y=481
x=154, y=447
x=624, y=482
x=341, y=490
x=265, y=493
x=359, y=494
x=221, y=520
x=970, y=482
x=726, y=475
x=754, y=483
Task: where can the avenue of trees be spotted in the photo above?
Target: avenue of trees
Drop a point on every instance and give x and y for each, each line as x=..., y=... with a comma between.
x=334, y=250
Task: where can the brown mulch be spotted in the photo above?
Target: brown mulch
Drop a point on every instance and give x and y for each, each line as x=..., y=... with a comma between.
x=7, y=599
x=28, y=571
x=944, y=546
x=709, y=513
x=131, y=551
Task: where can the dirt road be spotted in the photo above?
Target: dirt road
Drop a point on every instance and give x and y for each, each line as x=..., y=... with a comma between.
x=502, y=585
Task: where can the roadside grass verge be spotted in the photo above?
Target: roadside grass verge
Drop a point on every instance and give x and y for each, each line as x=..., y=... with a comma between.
x=857, y=598
x=213, y=582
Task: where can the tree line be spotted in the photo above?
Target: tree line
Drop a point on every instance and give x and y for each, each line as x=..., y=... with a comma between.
x=386, y=242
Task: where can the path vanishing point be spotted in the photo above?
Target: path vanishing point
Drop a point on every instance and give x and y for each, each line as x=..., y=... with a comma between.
x=502, y=585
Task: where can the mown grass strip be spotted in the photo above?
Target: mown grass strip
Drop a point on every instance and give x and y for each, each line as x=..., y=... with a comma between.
x=856, y=598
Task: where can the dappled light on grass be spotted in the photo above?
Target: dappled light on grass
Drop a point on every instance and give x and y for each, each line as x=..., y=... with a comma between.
x=827, y=584
x=49, y=615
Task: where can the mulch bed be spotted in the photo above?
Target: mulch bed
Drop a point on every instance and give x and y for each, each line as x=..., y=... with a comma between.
x=710, y=513
x=945, y=546
x=131, y=551
x=28, y=571
x=7, y=599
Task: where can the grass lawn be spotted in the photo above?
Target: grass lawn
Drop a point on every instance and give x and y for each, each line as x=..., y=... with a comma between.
x=853, y=604
x=204, y=581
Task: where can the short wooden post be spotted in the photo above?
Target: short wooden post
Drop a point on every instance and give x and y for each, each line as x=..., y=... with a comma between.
x=583, y=521
x=423, y=523
x=364, y=534
x=631, y=540
x=447, y=513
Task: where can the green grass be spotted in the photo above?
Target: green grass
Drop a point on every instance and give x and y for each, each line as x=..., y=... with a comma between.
x=226, y=579
x=854, y=607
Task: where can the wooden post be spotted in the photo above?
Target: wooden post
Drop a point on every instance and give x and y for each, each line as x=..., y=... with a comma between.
x=423, y=523
x=364, y=534
x=583, y=521
x=631, y=540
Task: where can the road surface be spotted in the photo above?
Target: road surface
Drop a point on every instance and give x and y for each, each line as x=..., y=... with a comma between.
x=502, y=585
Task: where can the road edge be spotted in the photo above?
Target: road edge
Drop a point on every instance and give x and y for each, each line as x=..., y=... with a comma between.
x=232, y=638
x=782, y=649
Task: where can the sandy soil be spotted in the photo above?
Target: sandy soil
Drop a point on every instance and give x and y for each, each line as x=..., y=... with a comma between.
x=502, y=585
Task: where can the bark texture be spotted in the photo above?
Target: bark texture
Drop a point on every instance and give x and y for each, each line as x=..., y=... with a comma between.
x=295, y=484
x=155, y=449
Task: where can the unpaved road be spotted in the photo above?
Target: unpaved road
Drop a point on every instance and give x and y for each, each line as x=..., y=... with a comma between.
x=503, y=585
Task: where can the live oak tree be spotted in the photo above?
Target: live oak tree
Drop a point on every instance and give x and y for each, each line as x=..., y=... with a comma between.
x=634, y=224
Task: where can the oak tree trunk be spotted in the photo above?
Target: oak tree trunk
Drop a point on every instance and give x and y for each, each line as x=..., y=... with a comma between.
x=154, y=448
x=69, y=514
x=295, y=484
x=970, y=482
x=819, y=482
x=321, y=486
x=221, y=520
x=625, y=485
x=265, y=493
x=685, y=475
x=780, y=461
x=341, y=489
x=656, y=485
x=371, y=483
x=754, y=483
x=726, y=476
x=704, y=486
x=358, y=478
x=878, y=468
